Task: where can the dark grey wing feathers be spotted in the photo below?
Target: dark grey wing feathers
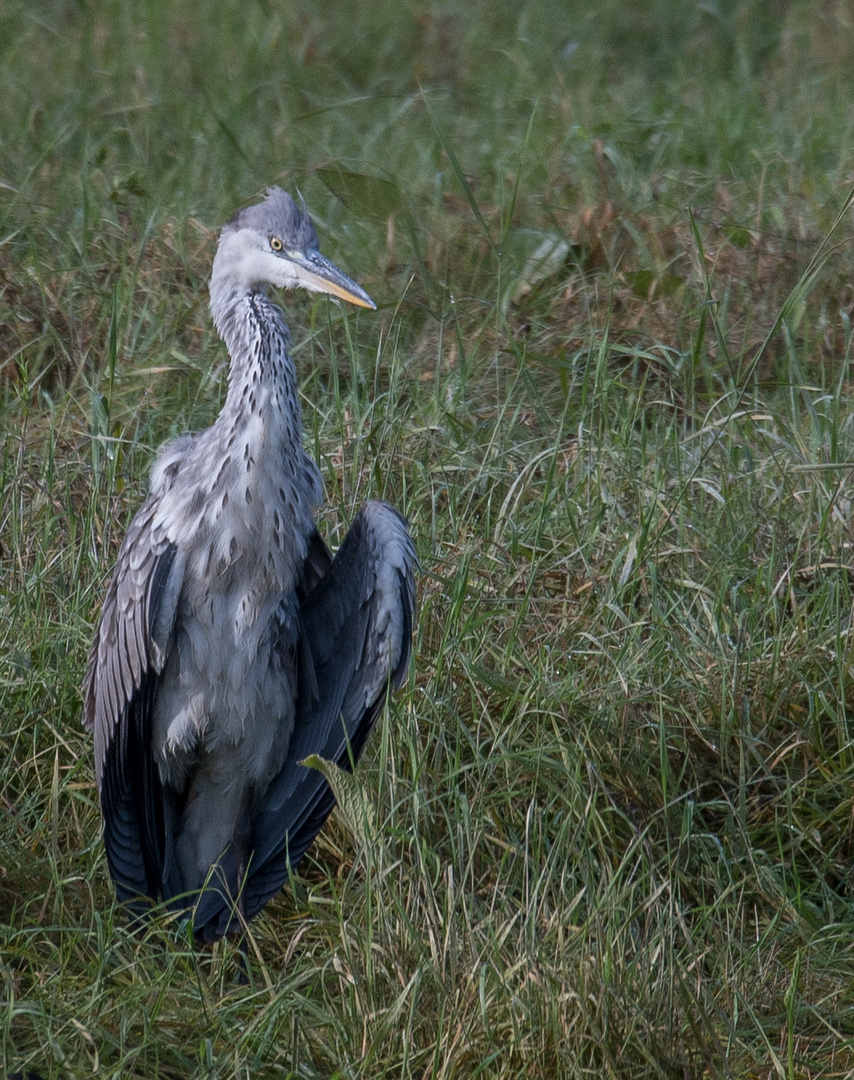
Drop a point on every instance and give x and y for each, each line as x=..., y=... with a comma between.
x=120, y=686
x=317, y=562
x=356, y=630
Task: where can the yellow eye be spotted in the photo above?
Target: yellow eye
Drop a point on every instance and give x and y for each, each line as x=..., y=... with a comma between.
x=275, y=243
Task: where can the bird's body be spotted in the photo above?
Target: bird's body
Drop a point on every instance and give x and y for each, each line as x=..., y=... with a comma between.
x=231, y=645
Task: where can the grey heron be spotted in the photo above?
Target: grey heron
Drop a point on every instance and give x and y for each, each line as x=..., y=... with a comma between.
x=232, y=644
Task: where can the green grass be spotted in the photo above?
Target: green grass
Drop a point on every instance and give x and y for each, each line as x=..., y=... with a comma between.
x=609, y=384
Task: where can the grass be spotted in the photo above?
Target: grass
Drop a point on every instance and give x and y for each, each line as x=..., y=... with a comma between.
x=609, y=385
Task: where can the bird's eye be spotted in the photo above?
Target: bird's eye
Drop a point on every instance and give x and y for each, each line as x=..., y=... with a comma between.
x=275, y=243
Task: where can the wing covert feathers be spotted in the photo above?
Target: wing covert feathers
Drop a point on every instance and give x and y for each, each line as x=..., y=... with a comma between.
x=127, y=655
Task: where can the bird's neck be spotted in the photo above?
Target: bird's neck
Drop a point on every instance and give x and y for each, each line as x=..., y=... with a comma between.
x=262, y=384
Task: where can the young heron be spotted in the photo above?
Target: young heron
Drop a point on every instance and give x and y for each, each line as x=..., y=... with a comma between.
x=231, y=644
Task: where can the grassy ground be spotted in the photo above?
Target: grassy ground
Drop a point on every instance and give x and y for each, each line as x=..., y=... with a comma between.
x=609, y=384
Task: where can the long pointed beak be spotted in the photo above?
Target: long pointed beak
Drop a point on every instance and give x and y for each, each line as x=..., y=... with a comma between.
x=317, y=273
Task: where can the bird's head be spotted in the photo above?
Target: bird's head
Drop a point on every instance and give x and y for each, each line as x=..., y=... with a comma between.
x=275, y=242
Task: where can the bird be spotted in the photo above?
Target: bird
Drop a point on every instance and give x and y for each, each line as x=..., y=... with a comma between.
x=231, y=644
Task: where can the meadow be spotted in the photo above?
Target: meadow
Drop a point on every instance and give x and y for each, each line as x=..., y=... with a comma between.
x=609, y=384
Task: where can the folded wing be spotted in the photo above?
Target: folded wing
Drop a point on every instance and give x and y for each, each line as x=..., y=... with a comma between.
x=130, y=648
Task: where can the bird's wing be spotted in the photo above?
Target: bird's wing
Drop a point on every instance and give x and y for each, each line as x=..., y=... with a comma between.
x=130, y=648
x=356, y=630
x=318, y=559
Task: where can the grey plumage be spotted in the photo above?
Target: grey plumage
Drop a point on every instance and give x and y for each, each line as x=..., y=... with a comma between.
x=231, y=644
